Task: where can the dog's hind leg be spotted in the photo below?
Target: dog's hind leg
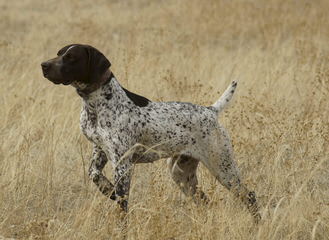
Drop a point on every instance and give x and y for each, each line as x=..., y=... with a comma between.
x=183, y=171
x=221, y=164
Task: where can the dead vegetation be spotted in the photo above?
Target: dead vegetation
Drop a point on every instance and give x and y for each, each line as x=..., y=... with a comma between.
x=169, y=50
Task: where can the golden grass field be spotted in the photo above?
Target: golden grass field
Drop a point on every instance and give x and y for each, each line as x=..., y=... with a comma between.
x=183, y=50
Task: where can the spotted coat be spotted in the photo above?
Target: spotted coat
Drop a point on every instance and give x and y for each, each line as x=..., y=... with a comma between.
x=126, y=129
x=182, y=132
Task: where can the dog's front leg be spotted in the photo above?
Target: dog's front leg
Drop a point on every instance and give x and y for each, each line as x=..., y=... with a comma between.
x=122, y=176
x=99, y=160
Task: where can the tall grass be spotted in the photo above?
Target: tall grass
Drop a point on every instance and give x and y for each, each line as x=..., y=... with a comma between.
x=169, y=50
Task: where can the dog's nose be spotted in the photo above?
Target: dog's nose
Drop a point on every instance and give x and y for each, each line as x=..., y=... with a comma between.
x=45, y=66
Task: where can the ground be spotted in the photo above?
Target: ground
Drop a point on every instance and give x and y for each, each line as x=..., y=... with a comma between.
x=185, y=50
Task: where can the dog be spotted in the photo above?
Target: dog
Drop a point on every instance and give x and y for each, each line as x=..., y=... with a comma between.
x=128, y=129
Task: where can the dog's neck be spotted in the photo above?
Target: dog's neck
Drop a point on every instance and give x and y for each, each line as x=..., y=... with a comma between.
x=108, y=87
x=85, y=90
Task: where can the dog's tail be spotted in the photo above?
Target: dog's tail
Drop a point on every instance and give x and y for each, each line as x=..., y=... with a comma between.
x=223, y=101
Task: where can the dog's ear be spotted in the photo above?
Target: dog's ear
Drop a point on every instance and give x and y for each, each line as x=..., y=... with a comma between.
x=97, y=63
x=64, y=49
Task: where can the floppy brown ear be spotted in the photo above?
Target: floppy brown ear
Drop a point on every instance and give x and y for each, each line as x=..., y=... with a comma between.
x=97, y=63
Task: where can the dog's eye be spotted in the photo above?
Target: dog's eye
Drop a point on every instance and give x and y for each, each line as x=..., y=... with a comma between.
x=69, y=57
x=59, y=53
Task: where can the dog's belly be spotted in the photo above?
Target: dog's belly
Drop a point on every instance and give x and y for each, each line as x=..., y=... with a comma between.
x=169, y=140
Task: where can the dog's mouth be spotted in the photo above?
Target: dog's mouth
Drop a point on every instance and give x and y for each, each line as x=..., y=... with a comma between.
x=52, y=75
x=47, y=76
x=45, y=73
x=56, y=80
x=60, y=82
x=67, y=83
x=50, y=78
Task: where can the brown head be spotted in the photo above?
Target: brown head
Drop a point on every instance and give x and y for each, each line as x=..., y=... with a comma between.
x=78, y=64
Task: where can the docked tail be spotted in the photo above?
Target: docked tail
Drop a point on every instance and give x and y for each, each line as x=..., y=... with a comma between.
x=223, y=101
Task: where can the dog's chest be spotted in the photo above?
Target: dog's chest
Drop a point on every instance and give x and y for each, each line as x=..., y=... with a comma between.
x=94, y=125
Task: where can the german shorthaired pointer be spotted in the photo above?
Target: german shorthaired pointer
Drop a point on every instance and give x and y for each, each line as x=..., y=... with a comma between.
x=127, y=128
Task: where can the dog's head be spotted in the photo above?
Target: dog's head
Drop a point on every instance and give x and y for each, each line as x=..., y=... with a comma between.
x=76, y=63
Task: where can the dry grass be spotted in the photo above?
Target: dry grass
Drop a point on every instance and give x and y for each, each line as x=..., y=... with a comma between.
x=169, y=50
